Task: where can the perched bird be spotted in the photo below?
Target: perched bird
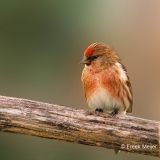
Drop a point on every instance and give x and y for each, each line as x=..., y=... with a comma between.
x=105, y=80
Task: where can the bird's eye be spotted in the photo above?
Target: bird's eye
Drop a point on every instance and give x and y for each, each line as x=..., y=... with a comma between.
x=95, y=57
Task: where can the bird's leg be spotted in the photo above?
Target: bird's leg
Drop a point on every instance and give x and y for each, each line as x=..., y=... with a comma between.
x=114, y=112
x=99, y=110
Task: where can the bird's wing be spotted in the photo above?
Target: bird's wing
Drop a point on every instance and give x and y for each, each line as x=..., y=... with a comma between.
x=129, y=110
x=128, y=83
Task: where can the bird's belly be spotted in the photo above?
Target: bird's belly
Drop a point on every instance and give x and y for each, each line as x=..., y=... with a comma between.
x=101, y=98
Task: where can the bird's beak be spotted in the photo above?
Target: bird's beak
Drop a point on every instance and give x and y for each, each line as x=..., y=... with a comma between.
x=85, y=60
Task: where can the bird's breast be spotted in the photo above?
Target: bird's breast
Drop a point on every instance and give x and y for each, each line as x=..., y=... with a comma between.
x=102, y=89
x=106, y=79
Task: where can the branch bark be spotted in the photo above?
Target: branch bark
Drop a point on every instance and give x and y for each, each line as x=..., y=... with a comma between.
x=118, y=132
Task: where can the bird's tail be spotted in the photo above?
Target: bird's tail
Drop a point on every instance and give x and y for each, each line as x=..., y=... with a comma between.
x=116, y=151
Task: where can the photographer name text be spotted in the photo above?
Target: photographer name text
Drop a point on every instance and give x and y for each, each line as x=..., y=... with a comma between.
x=138, y=146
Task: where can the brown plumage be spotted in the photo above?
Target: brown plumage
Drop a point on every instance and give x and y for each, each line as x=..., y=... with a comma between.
x=105, y=80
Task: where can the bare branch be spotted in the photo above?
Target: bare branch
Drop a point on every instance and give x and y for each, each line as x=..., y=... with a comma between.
x=119, y=132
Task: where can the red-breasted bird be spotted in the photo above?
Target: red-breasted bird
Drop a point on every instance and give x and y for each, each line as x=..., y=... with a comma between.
x=105, y=80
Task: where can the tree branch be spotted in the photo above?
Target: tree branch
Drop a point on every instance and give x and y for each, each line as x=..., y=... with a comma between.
x=119, y=132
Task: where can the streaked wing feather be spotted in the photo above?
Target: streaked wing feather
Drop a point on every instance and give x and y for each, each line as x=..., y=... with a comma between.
x=129, y=110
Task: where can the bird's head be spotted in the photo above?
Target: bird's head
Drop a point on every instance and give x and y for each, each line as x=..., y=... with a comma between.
x=99, y=55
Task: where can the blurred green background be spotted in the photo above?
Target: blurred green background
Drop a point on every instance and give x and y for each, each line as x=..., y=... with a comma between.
x=41, y=45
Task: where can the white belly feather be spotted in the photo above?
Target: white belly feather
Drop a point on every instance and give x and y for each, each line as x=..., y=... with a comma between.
x=102, y=99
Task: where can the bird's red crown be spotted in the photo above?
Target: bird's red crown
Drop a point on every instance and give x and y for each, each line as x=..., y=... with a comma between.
x=89, y=51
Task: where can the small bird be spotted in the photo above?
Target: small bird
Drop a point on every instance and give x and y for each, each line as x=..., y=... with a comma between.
x=105, y=80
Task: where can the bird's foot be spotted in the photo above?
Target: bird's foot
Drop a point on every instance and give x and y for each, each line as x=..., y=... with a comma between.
x=114, y=112
x=98, y=110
